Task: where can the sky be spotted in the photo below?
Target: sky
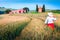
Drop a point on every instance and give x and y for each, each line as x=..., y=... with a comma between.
x=31, y=4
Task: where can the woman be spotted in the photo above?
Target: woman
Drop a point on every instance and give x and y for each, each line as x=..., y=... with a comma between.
x=50, y=20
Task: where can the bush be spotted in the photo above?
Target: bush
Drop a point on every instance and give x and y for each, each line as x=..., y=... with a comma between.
x=7, y=11
x=26, y=9
x=1, y=12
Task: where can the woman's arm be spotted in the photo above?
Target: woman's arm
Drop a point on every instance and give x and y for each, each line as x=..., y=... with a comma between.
x=46, y=21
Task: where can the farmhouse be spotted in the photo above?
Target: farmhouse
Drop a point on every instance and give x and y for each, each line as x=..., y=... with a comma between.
x=17, y=11
x=39, y=9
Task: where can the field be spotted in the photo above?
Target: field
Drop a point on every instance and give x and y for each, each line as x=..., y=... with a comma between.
x=27, y=27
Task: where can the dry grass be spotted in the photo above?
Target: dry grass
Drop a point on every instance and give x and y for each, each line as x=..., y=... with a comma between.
x=10, y=26
x=35, y=30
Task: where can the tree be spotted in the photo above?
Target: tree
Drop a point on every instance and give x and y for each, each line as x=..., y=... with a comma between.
x=43, y=9
x=36, y=8
x=7, y=11
x=26, y=8
x=1, y=12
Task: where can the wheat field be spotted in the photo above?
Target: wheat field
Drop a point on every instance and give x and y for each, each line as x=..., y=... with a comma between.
x=28, y=27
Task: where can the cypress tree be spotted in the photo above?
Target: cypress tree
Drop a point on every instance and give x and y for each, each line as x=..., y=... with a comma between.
x=36, y=8
x=43, y=9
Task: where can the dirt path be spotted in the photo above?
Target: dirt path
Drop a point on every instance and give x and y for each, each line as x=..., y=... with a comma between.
x=36, y=26
x=18, y=37
x=33, y=27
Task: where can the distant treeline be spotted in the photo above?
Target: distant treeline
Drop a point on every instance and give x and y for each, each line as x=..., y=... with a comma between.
x=5, y=12
x=55, y=11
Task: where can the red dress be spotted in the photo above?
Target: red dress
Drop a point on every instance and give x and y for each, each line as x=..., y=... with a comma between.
x=51, y=25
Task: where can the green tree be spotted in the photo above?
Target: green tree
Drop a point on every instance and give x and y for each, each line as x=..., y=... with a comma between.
x=36, y=8
x=26, y=8
x=43, y=9
x=7, y=11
